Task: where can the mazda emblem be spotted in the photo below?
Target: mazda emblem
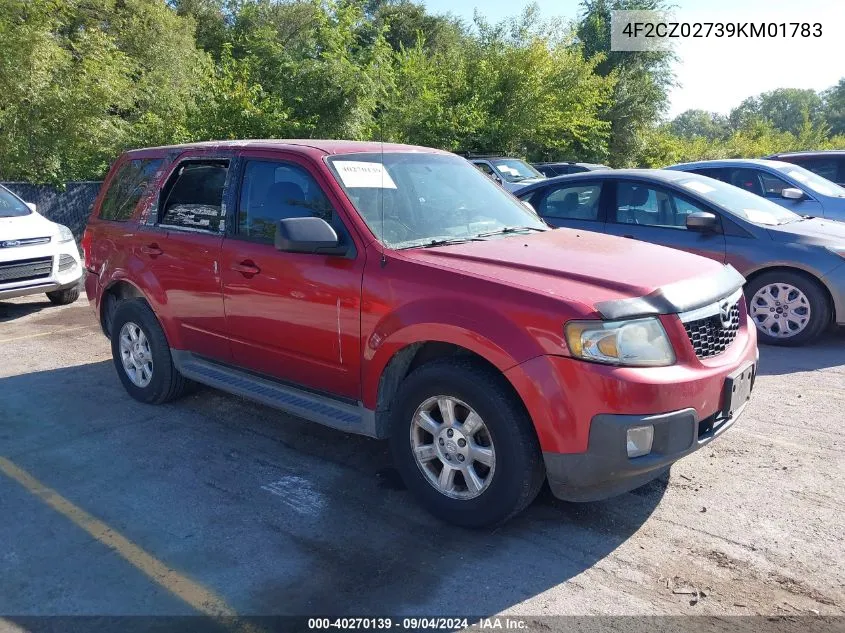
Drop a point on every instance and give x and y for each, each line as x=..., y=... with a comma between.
x=725, y=314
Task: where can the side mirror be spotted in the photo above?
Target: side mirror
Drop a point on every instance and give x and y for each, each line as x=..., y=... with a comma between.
x=307, y=235
x=702, y=221
x=32, y=206
x=792, y=193
x=497, y=178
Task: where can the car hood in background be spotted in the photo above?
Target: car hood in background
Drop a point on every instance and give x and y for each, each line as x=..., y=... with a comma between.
x=811, y=231
x=26, y=226
x=590, y=268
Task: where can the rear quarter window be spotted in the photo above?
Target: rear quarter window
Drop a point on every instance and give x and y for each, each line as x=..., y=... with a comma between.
x=131, y=182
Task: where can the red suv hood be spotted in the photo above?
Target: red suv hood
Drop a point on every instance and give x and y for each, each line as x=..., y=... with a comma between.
x=575, y=265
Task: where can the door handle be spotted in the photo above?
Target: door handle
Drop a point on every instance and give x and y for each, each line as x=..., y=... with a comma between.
x=152, y=250
x=247, y=268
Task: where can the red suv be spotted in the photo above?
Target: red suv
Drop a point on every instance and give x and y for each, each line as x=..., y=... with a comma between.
x=396, y=292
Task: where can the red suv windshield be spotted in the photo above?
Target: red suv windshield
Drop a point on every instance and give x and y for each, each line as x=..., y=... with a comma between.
x=413, y=199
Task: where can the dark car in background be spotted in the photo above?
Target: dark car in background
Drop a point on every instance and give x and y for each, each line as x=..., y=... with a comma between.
x=829, y=164
x=794, y=266
x=551, y=170
x=788, y=185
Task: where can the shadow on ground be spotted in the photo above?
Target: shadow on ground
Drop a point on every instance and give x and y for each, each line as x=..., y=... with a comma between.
x=275, y=515
x=826, y=352
x=10, y=311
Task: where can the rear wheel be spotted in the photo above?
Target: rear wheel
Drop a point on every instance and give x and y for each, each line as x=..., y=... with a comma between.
x=464, y=444
x=142, y=356
x=63, y=297
x=788, y=308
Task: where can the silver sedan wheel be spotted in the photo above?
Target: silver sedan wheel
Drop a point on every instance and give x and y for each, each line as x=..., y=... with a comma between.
x=780, y=310
x=136, y=355
x=453, y=447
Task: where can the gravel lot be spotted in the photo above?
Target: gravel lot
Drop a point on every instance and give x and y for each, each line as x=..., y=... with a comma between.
x=273, y=515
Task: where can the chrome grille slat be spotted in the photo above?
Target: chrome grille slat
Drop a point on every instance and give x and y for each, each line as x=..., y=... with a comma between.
x=26, y=269
x=707, y=335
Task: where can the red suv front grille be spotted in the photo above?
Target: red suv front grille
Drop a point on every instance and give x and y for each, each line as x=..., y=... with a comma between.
x=709, y=337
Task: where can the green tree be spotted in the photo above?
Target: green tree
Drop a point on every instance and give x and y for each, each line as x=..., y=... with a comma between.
x=834, y=106
x=784, y=108
x=518, y=87
x=79, y=82
x=641, y=79
x=692, y=123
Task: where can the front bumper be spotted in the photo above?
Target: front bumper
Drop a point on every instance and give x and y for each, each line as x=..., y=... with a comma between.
x=605, y=470
x=582, y=411
x=58, y=279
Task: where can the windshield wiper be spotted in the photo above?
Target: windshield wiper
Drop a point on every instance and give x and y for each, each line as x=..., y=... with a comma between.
x=451, y=240
x=512, y=229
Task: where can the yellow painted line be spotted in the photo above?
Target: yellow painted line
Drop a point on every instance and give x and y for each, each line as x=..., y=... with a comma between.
x=70, y=329
x=192, y=593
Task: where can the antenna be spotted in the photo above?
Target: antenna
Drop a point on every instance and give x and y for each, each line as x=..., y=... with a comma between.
x=383, y=169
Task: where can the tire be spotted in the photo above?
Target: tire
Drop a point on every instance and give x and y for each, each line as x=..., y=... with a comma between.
x=517, y=471
x=164, y=383
x=63, y=297
x=764, y=305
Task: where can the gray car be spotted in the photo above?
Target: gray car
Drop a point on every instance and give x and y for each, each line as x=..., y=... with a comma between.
x=794, y=266
x=790, y=186
x=510, y=173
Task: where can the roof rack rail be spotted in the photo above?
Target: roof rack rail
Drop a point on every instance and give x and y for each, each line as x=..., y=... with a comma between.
x=467, y=154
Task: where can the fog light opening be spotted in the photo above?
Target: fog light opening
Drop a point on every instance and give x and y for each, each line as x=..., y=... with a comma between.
x=639, y=440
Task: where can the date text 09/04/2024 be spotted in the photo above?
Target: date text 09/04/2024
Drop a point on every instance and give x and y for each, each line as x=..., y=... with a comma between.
x=417, y=623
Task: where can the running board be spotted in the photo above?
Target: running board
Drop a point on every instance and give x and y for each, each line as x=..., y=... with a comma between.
x=299, y=402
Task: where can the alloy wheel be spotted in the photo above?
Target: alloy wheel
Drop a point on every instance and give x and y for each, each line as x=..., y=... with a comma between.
x=136, y=355
x=453, y=447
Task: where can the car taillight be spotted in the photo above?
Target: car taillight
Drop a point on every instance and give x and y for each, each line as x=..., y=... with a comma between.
x=86, y=249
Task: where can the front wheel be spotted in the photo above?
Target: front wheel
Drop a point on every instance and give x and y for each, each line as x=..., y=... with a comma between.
x=788, y=308
x=464, y=444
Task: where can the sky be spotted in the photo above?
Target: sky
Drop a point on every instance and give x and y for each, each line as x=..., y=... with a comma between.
x=716, y=75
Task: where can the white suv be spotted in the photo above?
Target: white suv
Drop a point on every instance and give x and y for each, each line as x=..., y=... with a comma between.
x=36, y=255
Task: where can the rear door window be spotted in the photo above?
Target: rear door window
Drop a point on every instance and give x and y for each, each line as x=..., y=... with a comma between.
x=193, y=197
x=744, y=178
x=129, y=185
x=571, y=202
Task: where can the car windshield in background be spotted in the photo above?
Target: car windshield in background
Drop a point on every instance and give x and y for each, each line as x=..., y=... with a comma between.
x=740, y=202
x=11, y=206
x=814, y=181
x=420, y=199
x=515, y=170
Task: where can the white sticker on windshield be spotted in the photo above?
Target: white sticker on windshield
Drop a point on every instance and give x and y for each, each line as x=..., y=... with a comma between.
x=700, y=187
x=760, y=217
x=355, y=173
